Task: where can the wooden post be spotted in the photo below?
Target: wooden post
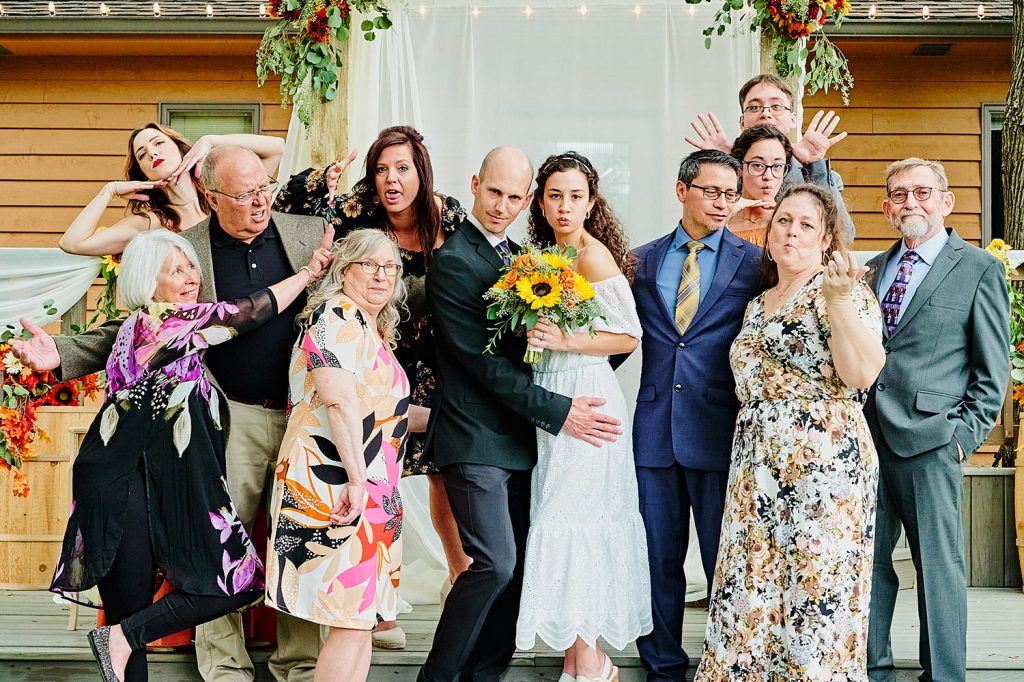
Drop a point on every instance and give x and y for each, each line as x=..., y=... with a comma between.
x=74, y=316
x=328, y=130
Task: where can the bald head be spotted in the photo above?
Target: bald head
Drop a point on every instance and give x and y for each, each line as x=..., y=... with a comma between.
x=502, y=188
x=224, y=161
x=230, y=172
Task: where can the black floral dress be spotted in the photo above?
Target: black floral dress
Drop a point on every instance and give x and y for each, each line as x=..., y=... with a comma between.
x=306, y=194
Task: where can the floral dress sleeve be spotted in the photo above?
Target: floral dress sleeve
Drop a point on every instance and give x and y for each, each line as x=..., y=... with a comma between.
x=336, y=337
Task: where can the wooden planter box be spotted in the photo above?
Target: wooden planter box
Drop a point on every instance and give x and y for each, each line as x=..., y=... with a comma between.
x=32, y=528
x=989, y=534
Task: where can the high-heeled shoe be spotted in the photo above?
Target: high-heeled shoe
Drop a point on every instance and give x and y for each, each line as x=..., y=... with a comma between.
x=99, y=642
x=609, y=673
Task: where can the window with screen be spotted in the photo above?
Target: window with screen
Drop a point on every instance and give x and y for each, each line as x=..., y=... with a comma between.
x=193, y=120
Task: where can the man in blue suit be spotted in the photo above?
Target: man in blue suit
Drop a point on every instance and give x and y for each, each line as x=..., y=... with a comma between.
x=691, y=289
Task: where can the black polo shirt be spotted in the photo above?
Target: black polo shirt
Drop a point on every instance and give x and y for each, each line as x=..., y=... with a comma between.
x=253, y=366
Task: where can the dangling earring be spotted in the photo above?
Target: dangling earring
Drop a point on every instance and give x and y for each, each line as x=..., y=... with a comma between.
x=769, y=254
x=825, y=258
x=542, y=214
x=588, y=216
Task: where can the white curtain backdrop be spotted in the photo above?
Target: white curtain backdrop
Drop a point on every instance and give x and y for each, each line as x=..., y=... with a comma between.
x=30, y=277
x=617, y=85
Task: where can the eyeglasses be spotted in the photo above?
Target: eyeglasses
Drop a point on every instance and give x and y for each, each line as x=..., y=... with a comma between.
x=250, y=196
x=732, y=196
x=758, y=108
x=899, y=196
x=758, y=169
x=371, y=268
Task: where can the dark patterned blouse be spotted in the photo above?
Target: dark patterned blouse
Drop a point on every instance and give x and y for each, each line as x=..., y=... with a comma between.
x=306, y=194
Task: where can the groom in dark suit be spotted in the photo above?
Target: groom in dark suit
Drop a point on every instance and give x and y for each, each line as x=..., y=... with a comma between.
x=691, y=289
x=946, y=338
x=482, y=431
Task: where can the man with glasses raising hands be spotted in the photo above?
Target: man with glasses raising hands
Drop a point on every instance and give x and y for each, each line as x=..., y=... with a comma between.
x=767, y=99
x=691, y=288
x=946, y=339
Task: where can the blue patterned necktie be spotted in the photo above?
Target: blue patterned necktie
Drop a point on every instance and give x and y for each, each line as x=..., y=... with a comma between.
x=893, y=299
x=504, y=252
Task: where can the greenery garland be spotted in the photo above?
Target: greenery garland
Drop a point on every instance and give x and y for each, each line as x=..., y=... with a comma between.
x=787, y=24
x=304, y=47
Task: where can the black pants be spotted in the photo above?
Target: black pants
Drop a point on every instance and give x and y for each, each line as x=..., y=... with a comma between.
x=476, y=634
x=128, y=588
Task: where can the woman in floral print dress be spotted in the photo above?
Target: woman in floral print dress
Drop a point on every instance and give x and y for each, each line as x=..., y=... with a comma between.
x=396, y=194
x=336, y=513
x=148, y=484
x=793, y=580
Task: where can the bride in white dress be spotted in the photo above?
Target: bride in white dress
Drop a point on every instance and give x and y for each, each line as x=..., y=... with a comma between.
x=586, y=573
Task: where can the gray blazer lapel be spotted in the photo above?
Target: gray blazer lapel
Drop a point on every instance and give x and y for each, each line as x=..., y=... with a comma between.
x=948, y=257
x=199, y=236
x=299, y=236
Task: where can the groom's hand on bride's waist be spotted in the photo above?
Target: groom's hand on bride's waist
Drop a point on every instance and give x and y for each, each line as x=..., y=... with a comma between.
x=591, y=426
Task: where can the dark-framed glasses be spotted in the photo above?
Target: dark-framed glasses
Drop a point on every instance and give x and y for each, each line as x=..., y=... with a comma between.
x=248, y=197
x=371, y=268
x=731, y=195
x=899, y=196
x=758, y=169
x=758, y=108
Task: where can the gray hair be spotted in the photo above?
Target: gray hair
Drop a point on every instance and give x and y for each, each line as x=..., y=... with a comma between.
x=355, y=247
x=690, y=167
x=142, y=261
x=217, y=157
x=936, y=167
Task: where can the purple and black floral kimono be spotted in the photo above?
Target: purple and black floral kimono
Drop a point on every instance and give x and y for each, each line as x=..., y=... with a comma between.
x=161, y=415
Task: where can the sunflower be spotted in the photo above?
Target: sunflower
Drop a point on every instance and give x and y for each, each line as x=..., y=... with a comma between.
x=112, y=264
x=540, y=291
x=555, y=261
x=584, y=288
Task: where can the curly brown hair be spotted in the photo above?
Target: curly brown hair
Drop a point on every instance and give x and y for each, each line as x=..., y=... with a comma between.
x=159, y=204
x=428, y=215
x=601, y=223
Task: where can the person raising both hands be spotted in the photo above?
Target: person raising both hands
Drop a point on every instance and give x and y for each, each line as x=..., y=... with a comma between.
x=766, y=99
x=160, y=187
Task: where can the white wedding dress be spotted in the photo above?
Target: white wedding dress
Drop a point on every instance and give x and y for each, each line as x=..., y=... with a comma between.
x=586, y=571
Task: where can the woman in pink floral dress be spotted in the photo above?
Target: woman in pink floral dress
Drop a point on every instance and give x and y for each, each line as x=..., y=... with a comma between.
x=793, y=580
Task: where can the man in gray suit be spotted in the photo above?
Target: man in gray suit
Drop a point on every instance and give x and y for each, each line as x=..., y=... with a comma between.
x=946, y=336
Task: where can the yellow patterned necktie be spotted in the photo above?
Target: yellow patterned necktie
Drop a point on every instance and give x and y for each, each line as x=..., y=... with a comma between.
x=688, y=295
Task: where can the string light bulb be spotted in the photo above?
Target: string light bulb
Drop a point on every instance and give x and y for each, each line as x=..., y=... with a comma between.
x=926, y=13
x=872, y=11
x=156, y=9
x=423, y=10
x=263, y=11
x=209, y=11
x=981, y=11
x=693, y=10
x=637, y=11
x=476, y=11
x=104, y=10
x=528, y=12
x=583, y=10
x=51, y=9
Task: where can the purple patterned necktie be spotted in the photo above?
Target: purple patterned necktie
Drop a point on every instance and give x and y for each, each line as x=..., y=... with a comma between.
x=504, y=252
x=893, y=299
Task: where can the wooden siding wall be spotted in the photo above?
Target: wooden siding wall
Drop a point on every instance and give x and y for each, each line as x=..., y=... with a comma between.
x=901, y=106
x=64, y=124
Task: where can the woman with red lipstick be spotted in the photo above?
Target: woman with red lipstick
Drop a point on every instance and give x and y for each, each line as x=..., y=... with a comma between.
x=159, y=187
x=396, y=194
x=586, y=573
x=765, y=152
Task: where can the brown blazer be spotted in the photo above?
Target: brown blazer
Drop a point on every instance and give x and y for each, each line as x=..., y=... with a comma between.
x=87, y=353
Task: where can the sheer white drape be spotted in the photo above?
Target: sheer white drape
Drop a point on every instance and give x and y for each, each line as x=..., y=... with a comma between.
x=31, y=277
x=617, y=85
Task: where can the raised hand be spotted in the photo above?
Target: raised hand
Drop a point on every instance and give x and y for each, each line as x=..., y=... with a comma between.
x=841, y=276
x=349, y=505
x=589, y=426
x=322, y=255
x=38, y=352
x=710, y=134
x=193, y=158
x=818, y=138
x=334, y=173
x=133, y=189
x=750, y=203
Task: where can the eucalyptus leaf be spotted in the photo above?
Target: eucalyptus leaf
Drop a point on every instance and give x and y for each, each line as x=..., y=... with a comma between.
x=366, y=25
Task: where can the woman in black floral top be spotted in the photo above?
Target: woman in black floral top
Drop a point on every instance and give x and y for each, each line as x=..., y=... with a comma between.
x=396, y=194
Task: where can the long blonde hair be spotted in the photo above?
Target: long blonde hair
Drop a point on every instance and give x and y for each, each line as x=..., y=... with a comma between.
x=355, y=247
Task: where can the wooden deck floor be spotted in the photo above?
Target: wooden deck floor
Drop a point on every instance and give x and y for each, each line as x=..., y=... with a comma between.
x=35, y=644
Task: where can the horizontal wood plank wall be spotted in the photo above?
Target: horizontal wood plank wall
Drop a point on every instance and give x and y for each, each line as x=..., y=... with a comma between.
x=901, y=106
x=64, y=121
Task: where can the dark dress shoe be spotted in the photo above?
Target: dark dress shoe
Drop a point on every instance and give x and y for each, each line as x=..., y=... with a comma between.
x=99, y=642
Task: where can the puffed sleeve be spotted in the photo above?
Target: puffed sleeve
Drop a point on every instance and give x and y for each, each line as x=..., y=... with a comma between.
x=618, y=308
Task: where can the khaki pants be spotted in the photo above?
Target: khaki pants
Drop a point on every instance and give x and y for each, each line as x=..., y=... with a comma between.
x=251, y=456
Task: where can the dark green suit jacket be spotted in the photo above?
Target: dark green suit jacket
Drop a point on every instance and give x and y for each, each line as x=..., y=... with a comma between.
x=947, y=361
x=486, y=408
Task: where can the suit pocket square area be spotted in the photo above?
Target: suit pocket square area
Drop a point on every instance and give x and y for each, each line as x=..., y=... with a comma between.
x=931, y=402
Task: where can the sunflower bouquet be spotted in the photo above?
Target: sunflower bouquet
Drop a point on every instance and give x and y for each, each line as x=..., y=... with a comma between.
x=536, y=284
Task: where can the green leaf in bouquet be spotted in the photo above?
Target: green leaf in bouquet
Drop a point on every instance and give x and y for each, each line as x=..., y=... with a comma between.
x=530, y=319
